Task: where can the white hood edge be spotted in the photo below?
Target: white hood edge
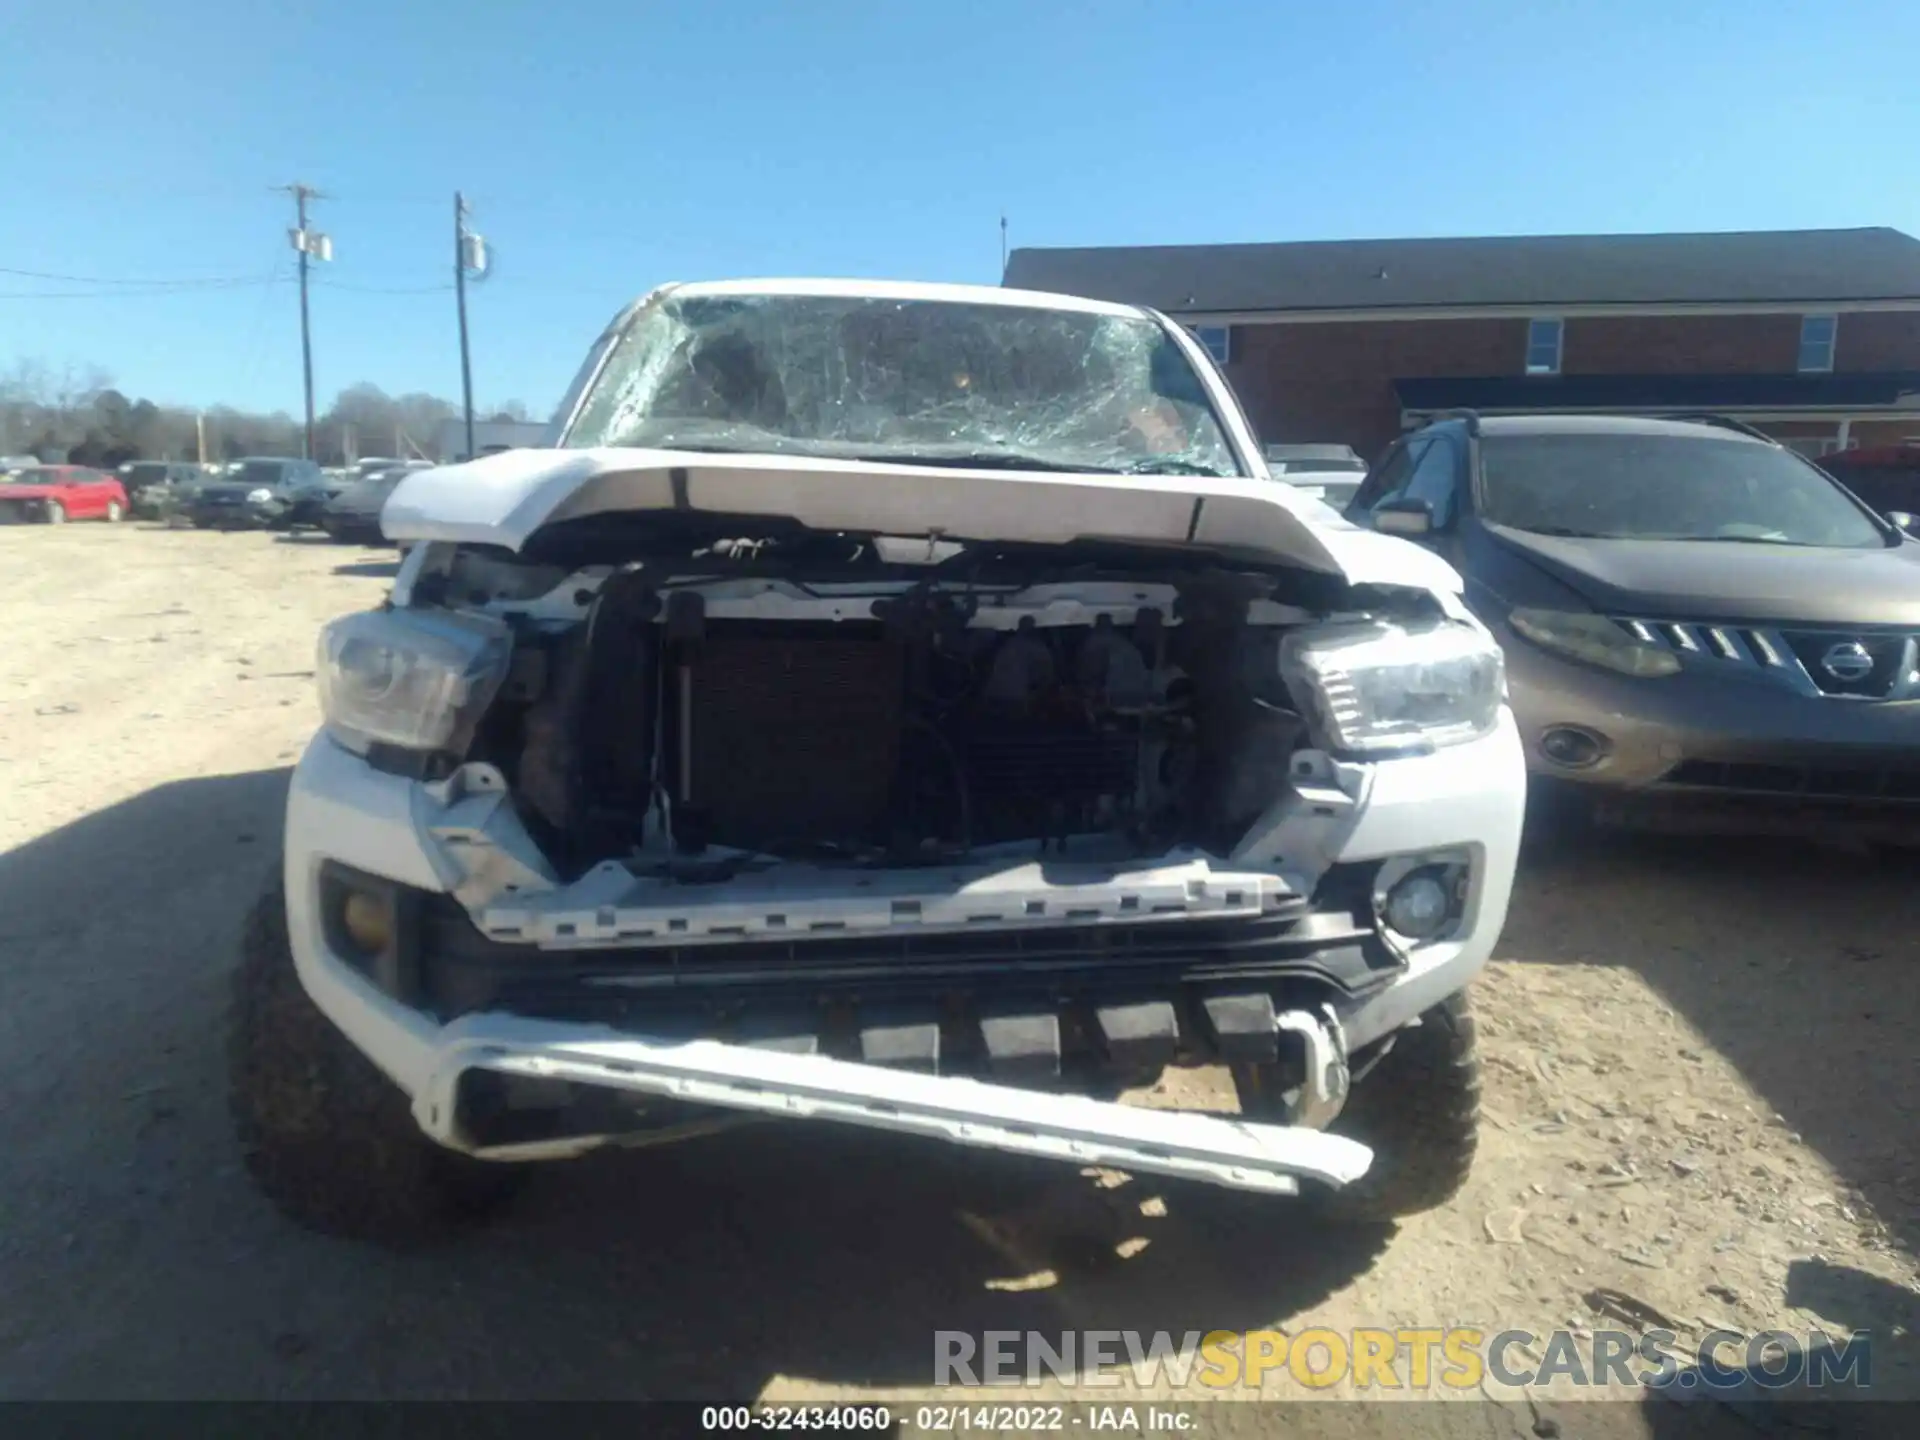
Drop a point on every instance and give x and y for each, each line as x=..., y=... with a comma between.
x=503, y=499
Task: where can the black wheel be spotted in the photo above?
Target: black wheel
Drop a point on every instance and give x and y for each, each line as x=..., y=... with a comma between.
x=1418, y=1110
x=326, y=1136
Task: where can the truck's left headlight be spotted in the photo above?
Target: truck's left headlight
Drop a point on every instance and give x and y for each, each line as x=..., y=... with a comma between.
x=1373, y=688
x=418, y=680
x=259, y=496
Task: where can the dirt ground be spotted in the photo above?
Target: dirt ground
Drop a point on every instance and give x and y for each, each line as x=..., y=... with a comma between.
x=1701, y=1092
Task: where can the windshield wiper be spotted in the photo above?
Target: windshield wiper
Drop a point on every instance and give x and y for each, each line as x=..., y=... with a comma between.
x=1562, y=532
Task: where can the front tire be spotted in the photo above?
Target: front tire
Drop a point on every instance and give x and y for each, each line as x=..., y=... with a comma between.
x=56, y=513
x=1419, y=1112
x=325, y=1135
x=114, y=512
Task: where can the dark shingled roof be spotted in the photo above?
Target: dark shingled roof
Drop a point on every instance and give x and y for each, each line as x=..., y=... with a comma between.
x=1542, y=271
x=1859, y=390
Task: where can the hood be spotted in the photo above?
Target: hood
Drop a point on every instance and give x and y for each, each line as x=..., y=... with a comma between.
x=1711, y=580
x=503, y=499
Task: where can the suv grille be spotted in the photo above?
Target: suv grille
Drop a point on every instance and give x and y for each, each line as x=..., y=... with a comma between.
x=1867, y=665
x=1846, y=664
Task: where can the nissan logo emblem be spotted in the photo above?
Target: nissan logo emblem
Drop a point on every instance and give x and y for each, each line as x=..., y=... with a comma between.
x=1848, y=662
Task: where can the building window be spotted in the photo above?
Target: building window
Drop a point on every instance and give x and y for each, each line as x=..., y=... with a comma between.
x=1543, y=347
x=1817, y=334
x=1218, y=340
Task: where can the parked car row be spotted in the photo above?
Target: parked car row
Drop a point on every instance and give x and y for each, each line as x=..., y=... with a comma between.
x=260, y=492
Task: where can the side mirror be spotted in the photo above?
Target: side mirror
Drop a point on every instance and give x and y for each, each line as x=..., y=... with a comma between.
x=1906, y=520
x=1403, y=516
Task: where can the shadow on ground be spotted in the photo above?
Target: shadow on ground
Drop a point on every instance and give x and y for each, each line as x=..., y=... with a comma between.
x=138, y=1262
x=1800, y=965
x=370, y=569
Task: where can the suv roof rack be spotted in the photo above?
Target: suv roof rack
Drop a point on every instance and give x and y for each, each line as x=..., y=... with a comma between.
x=1725, y=422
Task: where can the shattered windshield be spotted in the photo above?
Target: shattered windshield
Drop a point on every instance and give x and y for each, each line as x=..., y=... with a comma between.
x=912, y=381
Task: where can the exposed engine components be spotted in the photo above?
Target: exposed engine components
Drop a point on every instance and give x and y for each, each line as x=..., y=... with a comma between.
x=916, y=736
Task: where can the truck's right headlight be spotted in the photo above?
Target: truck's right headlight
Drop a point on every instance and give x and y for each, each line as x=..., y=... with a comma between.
x=418, y=680
x=1373, y=688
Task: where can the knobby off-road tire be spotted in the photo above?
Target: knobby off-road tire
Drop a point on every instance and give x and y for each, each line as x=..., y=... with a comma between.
x=325, y=1134
x=1418, y=1110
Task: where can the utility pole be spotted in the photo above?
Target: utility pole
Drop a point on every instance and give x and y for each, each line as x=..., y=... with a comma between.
x=311, y=246
x=1003, y=249
x=200, y=434
x=469, y=253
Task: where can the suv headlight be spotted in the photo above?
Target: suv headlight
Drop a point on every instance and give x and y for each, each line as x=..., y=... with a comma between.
x=413, y=679
x=1594, y=639
x=259, y=496
x=1372, y=688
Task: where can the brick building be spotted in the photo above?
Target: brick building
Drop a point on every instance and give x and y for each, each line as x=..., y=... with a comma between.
x=1812, y=335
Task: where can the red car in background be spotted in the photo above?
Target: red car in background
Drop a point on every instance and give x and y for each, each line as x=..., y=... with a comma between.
x=57, y=493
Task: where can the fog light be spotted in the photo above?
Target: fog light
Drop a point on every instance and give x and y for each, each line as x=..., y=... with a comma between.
x=368, y=921
x=1418, y=907
x=1571, y=748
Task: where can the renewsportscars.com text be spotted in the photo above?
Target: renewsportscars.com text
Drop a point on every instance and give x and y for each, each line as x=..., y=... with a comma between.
x=1449, y=1358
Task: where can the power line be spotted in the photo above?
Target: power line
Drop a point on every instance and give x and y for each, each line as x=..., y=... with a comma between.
x=235, y=284
x=99, y=280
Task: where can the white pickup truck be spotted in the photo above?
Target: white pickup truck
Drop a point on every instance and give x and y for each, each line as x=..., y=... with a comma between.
x=906, y=706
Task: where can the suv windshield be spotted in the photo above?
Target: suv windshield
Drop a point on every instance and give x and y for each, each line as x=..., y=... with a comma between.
x=1666, y=487
x=146, y=473
x=915, y=381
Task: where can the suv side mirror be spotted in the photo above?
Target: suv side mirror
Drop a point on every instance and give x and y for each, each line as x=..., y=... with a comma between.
x=1906, y=520
x=1403, y=515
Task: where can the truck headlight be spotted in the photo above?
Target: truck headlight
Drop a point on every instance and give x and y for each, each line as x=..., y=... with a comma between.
x=413, y=679
x=1594, y=639
x=1373, y=688
x=260, y=496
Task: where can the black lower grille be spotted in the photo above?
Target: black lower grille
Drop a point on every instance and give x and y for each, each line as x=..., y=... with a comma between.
x=464, y=970
x=1889, y=785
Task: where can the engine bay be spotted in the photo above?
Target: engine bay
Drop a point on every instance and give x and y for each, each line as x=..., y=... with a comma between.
x=677, y=726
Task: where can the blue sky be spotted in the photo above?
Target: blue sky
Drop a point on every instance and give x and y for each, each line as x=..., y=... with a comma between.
x=609, y=146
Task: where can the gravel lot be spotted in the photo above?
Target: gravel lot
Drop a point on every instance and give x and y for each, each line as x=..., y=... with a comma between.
x=1702, y=1089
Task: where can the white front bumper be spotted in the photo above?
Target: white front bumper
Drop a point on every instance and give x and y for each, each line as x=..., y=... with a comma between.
x=1466, y=799
x=1070, y=1128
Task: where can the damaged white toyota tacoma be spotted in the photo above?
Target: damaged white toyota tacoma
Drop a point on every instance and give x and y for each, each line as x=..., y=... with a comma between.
x=907, y=706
